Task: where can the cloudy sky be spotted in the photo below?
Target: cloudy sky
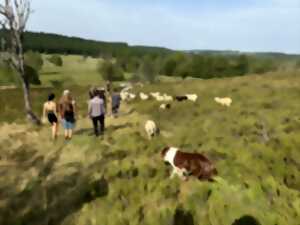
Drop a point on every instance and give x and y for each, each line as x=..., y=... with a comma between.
x=246, y=25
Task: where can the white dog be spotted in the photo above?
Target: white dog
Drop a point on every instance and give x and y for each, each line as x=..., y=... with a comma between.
x=151, y=129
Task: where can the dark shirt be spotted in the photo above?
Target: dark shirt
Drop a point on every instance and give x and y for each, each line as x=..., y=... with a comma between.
x=115, y=100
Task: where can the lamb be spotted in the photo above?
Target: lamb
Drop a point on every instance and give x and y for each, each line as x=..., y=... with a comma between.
x=224, y=101
x=192, y=97
x=144, y=96
x=151, y=129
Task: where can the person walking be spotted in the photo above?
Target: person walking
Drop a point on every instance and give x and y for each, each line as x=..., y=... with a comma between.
x=67, y=109
x=50, y=110
x=96, y=111
x=115, y=102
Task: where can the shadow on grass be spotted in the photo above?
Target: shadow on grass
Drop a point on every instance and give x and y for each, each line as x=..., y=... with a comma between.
x=51, y=196
x=183, y=217
x=246, y=220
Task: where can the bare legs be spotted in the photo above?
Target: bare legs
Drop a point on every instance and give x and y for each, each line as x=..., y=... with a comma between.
x=68, y=133
x=54, y=130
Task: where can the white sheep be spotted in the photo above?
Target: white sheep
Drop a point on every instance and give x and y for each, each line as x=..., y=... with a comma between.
x=224, y=101
x=165, y=106
x=124, y=95
x=144, y=96
x=155, y=94
x=151, y=129
x=132, y=96
x=192, y=97
x=160, y=98
x=167, y=98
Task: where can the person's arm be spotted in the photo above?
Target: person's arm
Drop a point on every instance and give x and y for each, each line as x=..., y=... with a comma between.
x=55, y=109
x=61, y=110
x=74, y=107
x=44, y=113
x=90, y=108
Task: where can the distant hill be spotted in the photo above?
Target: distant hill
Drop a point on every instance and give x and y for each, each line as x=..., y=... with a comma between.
x=257, y=54
x=60, y=44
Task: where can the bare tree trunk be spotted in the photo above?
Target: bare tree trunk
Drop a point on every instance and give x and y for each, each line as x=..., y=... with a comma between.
x=15, y=14
x=28, y=107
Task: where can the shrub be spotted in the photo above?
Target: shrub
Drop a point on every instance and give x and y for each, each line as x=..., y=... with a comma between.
x=110, y=71
x=147, y=70
x=32, y=75
x=34, y=60
x=56, y=60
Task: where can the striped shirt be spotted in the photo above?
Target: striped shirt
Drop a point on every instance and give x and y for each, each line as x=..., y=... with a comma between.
x=96, y=107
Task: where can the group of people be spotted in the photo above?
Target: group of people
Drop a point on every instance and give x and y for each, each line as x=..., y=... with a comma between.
x=65, y=110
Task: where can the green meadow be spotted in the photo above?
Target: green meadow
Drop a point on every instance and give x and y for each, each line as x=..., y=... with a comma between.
x=120, y=179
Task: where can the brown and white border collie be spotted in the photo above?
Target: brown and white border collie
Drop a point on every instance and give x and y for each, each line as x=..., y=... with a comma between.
x=189, y=164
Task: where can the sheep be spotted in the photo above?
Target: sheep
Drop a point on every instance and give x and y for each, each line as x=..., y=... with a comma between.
x=124, y=95
x=181, y=98
x=160, y=98
x=192, y=97
x=155, y=94
x=144, y=96
x=167, y=98
x=165, y=106
x=151, y=129
x=132, y=96
x=224, y=101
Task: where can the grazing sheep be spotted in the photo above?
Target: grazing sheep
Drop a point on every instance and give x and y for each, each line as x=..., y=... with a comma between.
x=224, y=101
x=151, y=129
x=160, y=98
x=155, y=94
x=132, y=96
x=144, y=96
x=181, y=98
x=124, y=95
x=167, y=98
x=192, y=97
x=165, y=106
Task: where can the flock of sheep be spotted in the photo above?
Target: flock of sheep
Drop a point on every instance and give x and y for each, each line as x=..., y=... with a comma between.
x=126, y=95
x=150, y=126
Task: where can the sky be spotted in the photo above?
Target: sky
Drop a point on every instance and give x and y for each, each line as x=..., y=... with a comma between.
x=245, y=25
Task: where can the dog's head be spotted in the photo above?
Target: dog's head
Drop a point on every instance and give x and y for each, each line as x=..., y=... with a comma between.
x=164, y=152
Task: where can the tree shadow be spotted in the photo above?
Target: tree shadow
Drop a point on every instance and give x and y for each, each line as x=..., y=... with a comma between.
x=246, y=220
x=85, y=131
x=49, y=73
x=119, y=127
x=50, y=197
x=183, y=217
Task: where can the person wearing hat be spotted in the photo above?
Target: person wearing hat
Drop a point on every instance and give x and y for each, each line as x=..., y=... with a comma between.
x=67, y=113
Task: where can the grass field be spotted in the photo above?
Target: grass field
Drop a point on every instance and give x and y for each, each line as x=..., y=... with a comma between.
x=120, y=179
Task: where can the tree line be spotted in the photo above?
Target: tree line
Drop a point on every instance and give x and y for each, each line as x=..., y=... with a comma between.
x=144, y=63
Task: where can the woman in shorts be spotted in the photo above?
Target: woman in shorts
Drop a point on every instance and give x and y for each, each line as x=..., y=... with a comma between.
x=67, y=113
x=50, y=110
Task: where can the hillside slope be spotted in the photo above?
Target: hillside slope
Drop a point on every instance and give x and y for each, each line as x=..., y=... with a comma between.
x=120, y=178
